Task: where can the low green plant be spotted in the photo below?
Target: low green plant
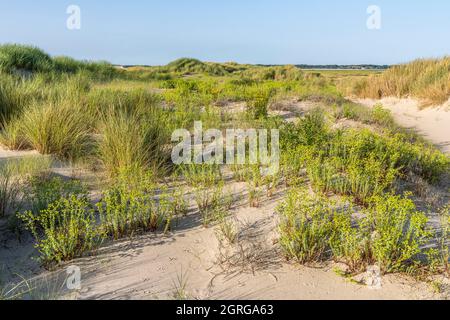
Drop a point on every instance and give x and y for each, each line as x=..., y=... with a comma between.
x=65, y=230
x=258, y=103
x=254, y=180
x=212, y=202
x=132, y=207
x=382, y=116
x=349, y=243
x=306, y=227
x=201, y=175
x=398, y=232
x=44, y=190
x=227, y=231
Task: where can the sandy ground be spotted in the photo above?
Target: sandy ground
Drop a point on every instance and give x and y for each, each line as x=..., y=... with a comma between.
x=156, y=266
x=151, y=267
x=433, y=123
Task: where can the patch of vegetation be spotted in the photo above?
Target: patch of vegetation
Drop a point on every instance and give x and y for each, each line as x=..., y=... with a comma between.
x=131, y=207
x=392, y=233
x=65, y=230
x=426, y=79
x=16, y=58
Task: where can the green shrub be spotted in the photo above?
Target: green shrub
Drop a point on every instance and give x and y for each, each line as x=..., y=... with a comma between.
x=350, y=243
x=310, y=130
x=398, y=232
x=131, y=207
x=45, y=190
x=258, y=103
x=14, y=57
x=65, y=230
x=305, y=227
x=382, y=116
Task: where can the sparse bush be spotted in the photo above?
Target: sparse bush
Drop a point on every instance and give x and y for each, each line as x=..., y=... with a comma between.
x=132, y=207
x=45, y=190
x=305, y=227
x=398, y=232
x=65, y=230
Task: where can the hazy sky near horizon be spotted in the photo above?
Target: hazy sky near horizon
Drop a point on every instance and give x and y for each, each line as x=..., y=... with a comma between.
x=246, y=31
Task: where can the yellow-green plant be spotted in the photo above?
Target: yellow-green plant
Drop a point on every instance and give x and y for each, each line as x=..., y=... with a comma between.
x=65, y=230
x=398, y=232
x=306, y=226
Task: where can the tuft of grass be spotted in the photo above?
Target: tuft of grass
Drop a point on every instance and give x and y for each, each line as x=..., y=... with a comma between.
x=426, y=79
x=13, y=174
x=15, y=57
x=305, y=227
x=131, y=141
x=61, y=129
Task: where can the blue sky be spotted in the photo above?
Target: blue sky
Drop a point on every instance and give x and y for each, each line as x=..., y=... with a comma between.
x=246, y=31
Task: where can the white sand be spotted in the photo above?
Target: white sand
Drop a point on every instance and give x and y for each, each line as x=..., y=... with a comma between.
x=433, y=123
x=149, y=268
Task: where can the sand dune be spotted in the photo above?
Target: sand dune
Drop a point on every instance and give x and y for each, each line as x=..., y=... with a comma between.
x=431, y=123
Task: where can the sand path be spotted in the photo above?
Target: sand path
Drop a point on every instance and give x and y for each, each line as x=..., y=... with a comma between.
x=432, y=123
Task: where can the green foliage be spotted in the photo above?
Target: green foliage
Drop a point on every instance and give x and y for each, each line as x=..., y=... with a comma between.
x=398, y=232
x=349, y=243
x=131, y=207
x=359, y=163
x=391, y=232
x=13, y=173
x=64, y=231
x=132, y=141
x=60, y=129
x=305, y=227
x=44, y=190
x=101, y=70
x=188, y=66
x=382, y=116
x=258, y=103
x=15, y=95
x=206, y=181
x=14, y=57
